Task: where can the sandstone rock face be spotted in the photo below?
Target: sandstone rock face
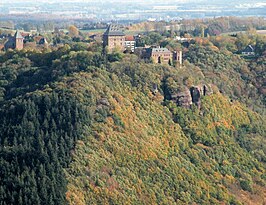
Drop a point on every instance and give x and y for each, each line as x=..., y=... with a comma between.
x=183, y=99
x=192, y=95
x=103, y=101
x=196, y=94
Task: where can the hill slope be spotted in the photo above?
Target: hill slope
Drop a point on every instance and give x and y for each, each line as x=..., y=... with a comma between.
x=76, y=128
x=144, y=157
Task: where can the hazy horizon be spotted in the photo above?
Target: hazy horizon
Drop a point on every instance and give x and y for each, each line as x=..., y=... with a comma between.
x=124, y=1
x=135, y=10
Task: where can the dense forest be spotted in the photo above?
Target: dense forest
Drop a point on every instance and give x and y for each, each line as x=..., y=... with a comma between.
x=80, y=126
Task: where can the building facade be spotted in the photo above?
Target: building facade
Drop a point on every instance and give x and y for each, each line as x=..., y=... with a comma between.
x=114, y=38
x=164, y=56
x=130, y=43
x=248, y=51
x=161, y=55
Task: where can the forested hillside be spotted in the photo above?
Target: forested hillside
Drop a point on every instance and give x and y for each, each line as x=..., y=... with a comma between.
x=80, y=126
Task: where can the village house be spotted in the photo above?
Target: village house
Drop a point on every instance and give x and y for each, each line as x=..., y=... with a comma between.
x=15, y=42
x=43, y=41
x=248, y=51
x=183, y=39
x=40, y=40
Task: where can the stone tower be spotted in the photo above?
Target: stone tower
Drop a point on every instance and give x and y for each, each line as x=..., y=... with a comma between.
x=18, y=41
x=178, y=57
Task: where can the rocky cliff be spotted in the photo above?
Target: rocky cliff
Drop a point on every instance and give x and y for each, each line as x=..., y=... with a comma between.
x=191, y=95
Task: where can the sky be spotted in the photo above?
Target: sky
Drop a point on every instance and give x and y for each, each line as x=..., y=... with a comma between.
x=132, y=8
x=148, y=1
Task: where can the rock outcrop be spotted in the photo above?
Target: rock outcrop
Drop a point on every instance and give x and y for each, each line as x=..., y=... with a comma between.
x=183, y=98
x=192, y=95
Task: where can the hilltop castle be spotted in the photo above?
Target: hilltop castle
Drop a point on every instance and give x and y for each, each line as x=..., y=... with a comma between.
x=115, y=38
x=164, y=56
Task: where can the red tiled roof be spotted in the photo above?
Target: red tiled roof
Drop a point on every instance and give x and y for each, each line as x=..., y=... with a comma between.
x=24, y=34
x=130, y=38
x=38, y=38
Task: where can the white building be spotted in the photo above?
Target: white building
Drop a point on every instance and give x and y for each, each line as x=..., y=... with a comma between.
x=248, y=51
x=130, y=43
